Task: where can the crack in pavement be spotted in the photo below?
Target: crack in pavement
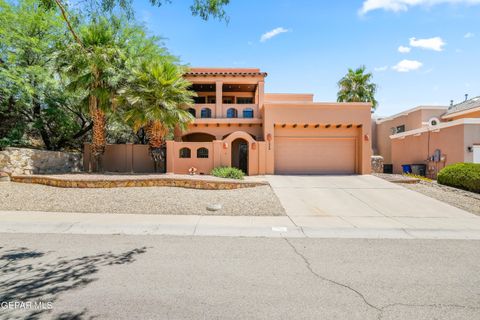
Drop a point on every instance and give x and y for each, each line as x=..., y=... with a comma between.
x=439, y=305
x=435, y=305
x=309, y=267
x=382, y=309
x=70, y=226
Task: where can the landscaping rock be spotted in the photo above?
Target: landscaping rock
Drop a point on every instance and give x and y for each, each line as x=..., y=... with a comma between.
x=4, y=177
x=23, y=161
x=377, y=164
x=214, y=207
x=258, y=201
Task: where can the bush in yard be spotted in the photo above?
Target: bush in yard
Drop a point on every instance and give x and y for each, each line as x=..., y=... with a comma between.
x=461, y=175
x=228, y=172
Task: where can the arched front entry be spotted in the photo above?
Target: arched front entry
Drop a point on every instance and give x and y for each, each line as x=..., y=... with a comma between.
x=240, y=154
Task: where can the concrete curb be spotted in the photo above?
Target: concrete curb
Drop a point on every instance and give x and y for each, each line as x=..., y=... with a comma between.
x=271, y=227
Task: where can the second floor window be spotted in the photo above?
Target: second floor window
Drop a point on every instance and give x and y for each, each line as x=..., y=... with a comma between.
x=248, y=113
x=244, y=100
x=228, y=100
x=211, y=100
x=400, y=129
x=232, y=113
x=192, y=112
x=198, y=100
x=206, y=113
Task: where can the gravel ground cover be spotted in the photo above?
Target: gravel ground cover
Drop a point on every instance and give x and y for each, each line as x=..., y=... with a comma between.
x=462, y=199
x=465, y=200
x=257, y=201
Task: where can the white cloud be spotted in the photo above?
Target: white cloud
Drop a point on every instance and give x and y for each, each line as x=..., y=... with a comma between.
x=404, y=5
x=272, y=33
x=407, y=65
x=403, y=49
x=381, y=69
x=435, y=43
x=469, y=35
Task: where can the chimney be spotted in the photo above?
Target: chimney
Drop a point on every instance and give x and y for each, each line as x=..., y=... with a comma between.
x=466, y=96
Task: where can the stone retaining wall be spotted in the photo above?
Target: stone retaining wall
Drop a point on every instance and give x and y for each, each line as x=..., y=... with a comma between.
x=377, y=164
x=167, y=182
x=22, y=161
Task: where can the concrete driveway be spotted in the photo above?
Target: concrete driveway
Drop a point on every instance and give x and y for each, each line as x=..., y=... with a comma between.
x=364, y=202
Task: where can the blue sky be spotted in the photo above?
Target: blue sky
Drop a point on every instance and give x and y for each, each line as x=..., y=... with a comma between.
x=311, y=45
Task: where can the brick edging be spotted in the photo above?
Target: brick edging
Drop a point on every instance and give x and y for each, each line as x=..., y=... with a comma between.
x=159, y=182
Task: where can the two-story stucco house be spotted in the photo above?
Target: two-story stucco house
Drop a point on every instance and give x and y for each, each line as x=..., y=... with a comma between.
x=238, y=124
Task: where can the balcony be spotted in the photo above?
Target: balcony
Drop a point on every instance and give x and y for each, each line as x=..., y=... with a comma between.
x=247, y=112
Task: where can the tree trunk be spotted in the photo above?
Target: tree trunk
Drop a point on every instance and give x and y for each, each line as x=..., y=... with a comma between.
x=156, y=133
x=37, y=115
x=98, y=133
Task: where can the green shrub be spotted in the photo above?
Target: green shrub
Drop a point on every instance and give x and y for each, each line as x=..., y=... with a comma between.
x=228, y=172
x=461, y=175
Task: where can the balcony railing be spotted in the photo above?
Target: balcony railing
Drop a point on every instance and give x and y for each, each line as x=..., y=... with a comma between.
x=207, y=111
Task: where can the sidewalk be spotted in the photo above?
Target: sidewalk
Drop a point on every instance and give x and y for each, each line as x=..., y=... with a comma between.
x=243, y=226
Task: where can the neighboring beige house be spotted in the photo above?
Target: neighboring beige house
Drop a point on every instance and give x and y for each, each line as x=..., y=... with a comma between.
x=432, y=135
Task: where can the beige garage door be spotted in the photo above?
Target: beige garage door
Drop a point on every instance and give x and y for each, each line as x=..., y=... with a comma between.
x=315, y=155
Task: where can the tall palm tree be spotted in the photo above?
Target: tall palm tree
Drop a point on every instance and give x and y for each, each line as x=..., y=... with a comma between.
x=156, y=99
x=95, y=67
x=356, y=86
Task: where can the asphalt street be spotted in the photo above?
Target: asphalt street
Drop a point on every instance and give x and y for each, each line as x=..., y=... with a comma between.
x=67, y=276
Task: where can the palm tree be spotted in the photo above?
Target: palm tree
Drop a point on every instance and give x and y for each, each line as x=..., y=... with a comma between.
x=156, y=99
x=96, y=68
x=356, y=86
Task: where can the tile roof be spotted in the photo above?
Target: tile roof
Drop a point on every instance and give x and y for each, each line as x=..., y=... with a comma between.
x=225, y=73
x=466, y=105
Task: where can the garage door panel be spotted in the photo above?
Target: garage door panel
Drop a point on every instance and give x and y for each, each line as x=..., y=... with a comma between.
x=301, y=155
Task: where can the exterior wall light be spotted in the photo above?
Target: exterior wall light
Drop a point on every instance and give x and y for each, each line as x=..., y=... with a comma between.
x=225, y=145
x=366, y=137
x=269, y=138
x=254, y=145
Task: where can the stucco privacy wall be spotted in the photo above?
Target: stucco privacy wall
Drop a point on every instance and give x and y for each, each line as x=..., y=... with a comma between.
x=22, y=161
x=219, y=154
x=122, y=158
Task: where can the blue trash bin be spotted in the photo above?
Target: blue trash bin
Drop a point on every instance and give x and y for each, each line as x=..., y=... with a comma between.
x=406, y=168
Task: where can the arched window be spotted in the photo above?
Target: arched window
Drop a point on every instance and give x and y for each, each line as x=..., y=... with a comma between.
x=185, y=153
x=206, y=113
x=248, y=113
x=192, y=112
x=202, y=153
x=232, y=113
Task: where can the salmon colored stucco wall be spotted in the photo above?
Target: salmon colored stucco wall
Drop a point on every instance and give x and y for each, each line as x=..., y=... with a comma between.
x=222, y=130
x=416, y=149
x=121, y=158
x=344, y=114
x=219, y=155
x=412, y=120
x=288, y=97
